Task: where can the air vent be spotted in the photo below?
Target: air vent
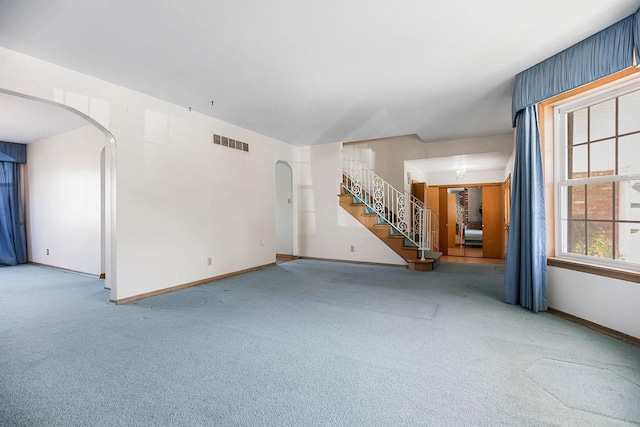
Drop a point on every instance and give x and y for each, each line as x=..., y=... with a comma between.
x=230, y=143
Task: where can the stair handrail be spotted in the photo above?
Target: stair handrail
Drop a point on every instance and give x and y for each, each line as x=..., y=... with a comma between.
x=401, y=210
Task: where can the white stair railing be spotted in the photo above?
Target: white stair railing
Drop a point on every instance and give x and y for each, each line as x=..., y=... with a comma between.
x=402, y=211
x=435, y=232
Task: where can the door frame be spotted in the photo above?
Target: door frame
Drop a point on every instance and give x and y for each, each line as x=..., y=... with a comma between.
x=444, y=241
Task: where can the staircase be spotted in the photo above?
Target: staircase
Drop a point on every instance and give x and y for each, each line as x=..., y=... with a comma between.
x=400, y=220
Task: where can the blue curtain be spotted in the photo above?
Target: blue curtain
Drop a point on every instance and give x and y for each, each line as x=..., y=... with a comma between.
x=525, y=280
x=636, y=34
x=600, y=55
x=12, y=152
x=13, y=244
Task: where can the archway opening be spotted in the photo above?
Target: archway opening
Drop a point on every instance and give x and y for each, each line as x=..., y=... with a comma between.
x=284, y=211
x=68, y=186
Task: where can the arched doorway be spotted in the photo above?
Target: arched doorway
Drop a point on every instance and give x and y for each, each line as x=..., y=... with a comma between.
x=284, y=210
x=105, y=157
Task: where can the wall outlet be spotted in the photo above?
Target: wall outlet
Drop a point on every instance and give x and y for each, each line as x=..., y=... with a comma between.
x=47, y=251
x=209, y=261
x=262, y=241
x=353, y=248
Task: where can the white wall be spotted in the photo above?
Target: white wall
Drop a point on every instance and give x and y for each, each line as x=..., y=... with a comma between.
x=179, y=198
x=327, y=230
x=608, y=302
x=508, y=170
x=471, y=177
x=486, y=144
x=284, y=209
x=386, y=156
x=63, y=200
x=415, y=173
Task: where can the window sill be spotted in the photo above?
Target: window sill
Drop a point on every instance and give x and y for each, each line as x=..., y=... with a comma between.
x=614, y=273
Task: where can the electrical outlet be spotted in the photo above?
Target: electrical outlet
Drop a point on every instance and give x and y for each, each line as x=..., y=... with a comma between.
x=262, y=241
x=209, y=261
x=47, y=251
x=353, y=248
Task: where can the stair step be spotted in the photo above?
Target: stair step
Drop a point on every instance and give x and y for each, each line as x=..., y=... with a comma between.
x=395, y=232
x=377, y=224
x=419, y=265
x=360, y=200
x=409, y=243
x=435, y=256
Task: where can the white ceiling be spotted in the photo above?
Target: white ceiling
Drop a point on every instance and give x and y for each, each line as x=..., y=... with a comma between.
x=468, y=162
x=23, y=120
x=314, y=72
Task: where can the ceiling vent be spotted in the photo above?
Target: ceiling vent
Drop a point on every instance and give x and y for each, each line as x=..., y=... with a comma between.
x=230, y=143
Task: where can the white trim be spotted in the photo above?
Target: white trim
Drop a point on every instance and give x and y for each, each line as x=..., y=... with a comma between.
x=598, y=95
x=558, y=155
x=599, y=179
x=110, y=159
x=561, y=183
x=601, y=262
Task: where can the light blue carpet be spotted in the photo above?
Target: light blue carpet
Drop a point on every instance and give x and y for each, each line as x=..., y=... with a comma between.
x=303, y=343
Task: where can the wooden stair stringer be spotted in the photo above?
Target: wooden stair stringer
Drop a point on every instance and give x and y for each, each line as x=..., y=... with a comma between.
x=395, y=243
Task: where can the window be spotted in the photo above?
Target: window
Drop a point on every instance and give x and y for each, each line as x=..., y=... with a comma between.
x=598, y=178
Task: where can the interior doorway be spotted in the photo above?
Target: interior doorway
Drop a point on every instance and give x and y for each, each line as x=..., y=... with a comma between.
x=471, y=221
x=68, y=187
x=284, y=211
x=464, y=210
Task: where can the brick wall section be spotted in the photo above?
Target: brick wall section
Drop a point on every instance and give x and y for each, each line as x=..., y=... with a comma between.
x=600, y=200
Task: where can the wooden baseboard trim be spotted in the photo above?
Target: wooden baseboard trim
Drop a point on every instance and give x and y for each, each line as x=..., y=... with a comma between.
x=191, y=284
x=287, y=257
x=602, y=329
x=66, y=270
x=345, y=261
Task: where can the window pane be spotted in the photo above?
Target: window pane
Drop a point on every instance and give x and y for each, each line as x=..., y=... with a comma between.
x=629, y=154
x=575, y=201
x=575, y=237
x=628, y=200
x=602, y=120
x=628, y=242
x=600, y=239
x=629, y=114
x=600, y=201
x=579, y=126
x=602, y=159
x=577, y=162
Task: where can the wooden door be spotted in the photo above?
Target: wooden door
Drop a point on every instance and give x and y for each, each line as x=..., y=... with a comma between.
x=492, y=221
x=451, y=219
x=433, y=199
x=506, y=214
x=419, y=190
x=444, y=238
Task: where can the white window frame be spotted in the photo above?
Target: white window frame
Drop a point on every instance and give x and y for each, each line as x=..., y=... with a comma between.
x=560, y=181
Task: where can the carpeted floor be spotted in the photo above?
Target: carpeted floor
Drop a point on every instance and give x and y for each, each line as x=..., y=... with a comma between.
x=304, y=343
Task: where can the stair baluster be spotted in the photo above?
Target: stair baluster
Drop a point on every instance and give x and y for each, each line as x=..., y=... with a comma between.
x=406, y=214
